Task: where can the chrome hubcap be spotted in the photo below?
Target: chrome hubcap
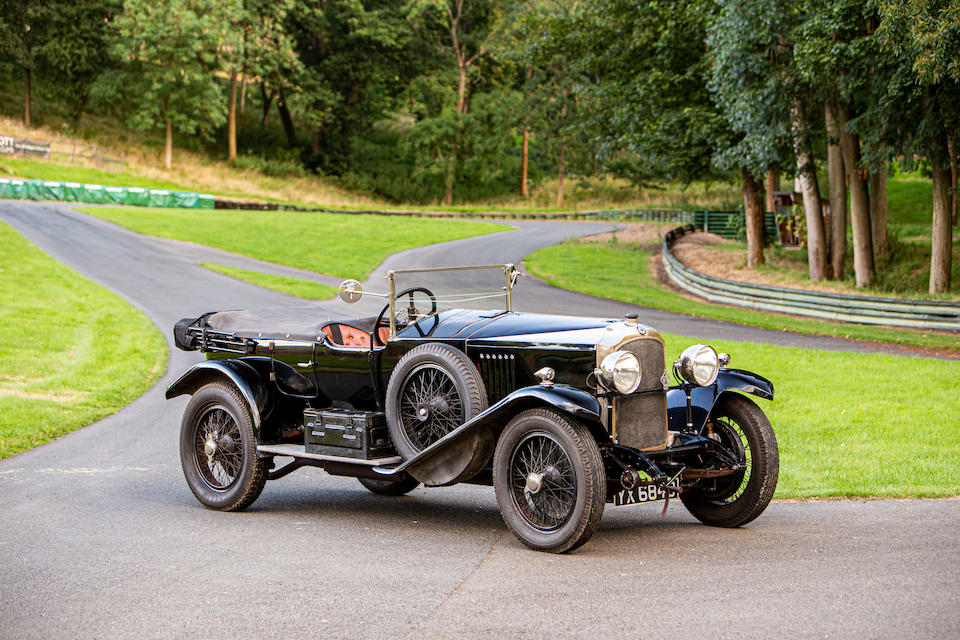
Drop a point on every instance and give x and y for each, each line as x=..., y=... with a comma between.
x=534, y=482
x=210, y=447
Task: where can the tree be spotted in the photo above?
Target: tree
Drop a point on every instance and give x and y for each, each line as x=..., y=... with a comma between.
x=467, y=28
x=923, y=38
x=168, y=55
x=27, y=29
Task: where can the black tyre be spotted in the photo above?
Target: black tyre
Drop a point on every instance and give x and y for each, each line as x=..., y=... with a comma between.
x=550, y=481
x=434, y=389
x=730, y=501
x=218, y=451
x=390, y=487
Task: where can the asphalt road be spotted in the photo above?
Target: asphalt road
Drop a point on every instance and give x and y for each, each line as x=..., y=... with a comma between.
x=100, y=537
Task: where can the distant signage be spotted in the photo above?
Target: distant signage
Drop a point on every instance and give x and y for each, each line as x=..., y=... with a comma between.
x=24, y=147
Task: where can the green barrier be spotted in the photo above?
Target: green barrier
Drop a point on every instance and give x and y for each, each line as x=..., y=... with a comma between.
x=116, y=195
x=52, y=190
x=206, y=201
x=94, y=193
x=16, y=189
x=73, y=192
x=138, y=196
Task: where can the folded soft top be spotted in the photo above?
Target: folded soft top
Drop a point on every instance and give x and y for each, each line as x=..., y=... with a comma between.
x=279, y=323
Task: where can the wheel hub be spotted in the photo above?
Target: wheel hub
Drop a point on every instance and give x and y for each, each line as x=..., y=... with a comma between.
x=534, y=483
x=210, y=447
x=423, y=414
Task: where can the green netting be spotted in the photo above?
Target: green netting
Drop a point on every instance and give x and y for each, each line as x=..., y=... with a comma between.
x=51, y=190
x=94, y=193
x=73, y=191
x=116, y=195
x=138, y=196
x=15, y=189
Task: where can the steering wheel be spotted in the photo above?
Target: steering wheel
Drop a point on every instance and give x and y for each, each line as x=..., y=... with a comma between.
x=405, y=314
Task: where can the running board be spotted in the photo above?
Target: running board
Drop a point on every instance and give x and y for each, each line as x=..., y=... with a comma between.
x=300, y=451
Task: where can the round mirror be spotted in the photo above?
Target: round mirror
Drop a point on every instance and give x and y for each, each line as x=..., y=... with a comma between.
x=350, y=290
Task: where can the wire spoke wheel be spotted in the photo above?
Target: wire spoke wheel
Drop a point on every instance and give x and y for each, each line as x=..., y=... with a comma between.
x=550, y=481
x=740, y=427
x=430, y=405
x=543, y=482
x=217, y=448
x=733, y=438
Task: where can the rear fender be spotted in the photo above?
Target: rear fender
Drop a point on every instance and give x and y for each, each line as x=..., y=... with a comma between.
x=573, y=402
x=236, y=372
x=703, y=399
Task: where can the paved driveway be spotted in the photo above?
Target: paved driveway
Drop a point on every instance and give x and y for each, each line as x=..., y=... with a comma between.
x=100, y=537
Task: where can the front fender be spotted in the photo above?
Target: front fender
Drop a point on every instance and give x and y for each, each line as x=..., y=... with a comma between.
x=702, y=399
x=569, y=400
x=240, y=374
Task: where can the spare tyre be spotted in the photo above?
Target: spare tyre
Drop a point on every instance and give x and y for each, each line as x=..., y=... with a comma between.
x=434, y=389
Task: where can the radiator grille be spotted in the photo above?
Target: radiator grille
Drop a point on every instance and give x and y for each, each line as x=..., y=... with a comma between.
x=640, y=420
x=499, y=373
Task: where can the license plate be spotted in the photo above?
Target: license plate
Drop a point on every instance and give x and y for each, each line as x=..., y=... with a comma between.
x=639, y=495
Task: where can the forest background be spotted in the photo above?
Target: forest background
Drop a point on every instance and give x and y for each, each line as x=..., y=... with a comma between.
x=447, y=101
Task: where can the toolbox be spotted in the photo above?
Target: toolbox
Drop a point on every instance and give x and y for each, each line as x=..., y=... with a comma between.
x=346, y=433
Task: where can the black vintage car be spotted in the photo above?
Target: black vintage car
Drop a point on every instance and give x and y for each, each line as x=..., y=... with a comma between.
x=561, y=414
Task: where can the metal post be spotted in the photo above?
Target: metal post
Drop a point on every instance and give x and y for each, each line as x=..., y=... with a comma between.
x=391, y=296
x=507, y=271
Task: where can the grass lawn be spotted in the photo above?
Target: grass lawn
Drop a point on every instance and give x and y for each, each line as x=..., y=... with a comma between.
x=345, y=245
x=40, y=170
x=600, y=270
x=71, y=352
x=293, y=286
x=856, y=424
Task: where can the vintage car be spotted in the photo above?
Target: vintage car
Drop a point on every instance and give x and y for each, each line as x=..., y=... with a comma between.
x=561, y=414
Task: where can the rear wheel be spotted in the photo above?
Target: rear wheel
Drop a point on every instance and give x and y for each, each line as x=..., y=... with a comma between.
x=218, y=450
x=549, y=479
x=730, y=501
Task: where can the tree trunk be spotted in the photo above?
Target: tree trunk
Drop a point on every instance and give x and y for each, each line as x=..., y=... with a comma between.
x=941, y=255
x=26, y=98
x=316, y=142
x=807, y=172
x=954, y=187
x=524, y=189
x=285, y=119
x=838, y=197
x=168, y=147
x=243, y=92
x=753, y=212
x=267, y=100
x=461, y=110
x=773, y=184
x=859, y=206
x=232, y=119
x=878, y=212
x=561, y=168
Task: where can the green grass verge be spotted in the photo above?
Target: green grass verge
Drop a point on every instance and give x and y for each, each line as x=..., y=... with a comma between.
x=71, y=352
x=292, y=286
x=856, y=425
x=345, y=245
x=624, y=274
x=40, y=170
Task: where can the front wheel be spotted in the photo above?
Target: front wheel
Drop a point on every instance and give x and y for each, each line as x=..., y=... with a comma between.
x=218, y=451
x=549, y=480
x=741, y=427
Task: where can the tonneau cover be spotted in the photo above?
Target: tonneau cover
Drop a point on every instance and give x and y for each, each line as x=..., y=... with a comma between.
x=279, y=323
